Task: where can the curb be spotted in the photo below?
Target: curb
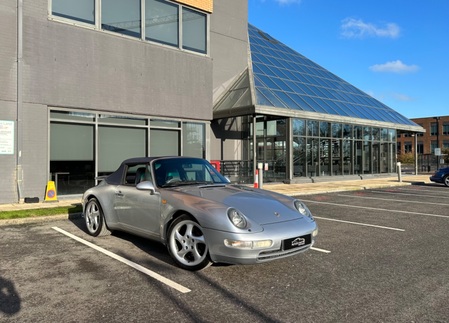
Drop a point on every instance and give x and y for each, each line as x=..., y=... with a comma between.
x=40, y=219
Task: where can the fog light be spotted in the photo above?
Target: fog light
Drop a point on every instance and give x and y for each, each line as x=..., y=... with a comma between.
x=315, y=233
x=239, y=244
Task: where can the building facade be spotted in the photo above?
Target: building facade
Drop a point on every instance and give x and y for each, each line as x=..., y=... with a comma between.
x=86, y=84
x=436, y=135
x=429, y=148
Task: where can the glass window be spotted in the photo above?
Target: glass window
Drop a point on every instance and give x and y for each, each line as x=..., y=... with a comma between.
x=336, y=130
x=433, y=145
x=384, y=134
x=162, y=22
x=106, y=118
x=325, y=129
x=391, y=134
x=71, y=142
x=367, y=133
x=446, y=128
x=121, y=16
x=193, y=140
x=164, y=123
x=80, y=10
x=116, y=144
x=193, y=30
x=358, y=132
x=347, y=131
x=72, y=116
x=312, y=128
x=408, y=147
x=376, y=133
x=164, y=142
x=299, y=127
x=433, y=129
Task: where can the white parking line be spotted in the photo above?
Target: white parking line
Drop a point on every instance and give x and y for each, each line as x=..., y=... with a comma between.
x=408, y=194
x=320, y=250
x=358, y=223
x=377, y=209
x=138, y=267
x=393, y=200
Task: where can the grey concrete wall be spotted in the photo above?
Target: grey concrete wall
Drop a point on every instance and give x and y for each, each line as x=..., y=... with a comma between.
x=34, y=156
x=229, y=50
x=229, y=42
x=8, y=187
x=8, y=93
x=70, y=66
x=8, y=50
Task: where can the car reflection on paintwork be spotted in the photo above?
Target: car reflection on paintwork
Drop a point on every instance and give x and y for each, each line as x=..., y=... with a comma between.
x=441, y=176
x=187, y=205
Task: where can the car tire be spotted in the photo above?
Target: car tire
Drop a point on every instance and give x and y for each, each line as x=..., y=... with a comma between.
x=94, y=218
x=187, y=245
x=446, y=180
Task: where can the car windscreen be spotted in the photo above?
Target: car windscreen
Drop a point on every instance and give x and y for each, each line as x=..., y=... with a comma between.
x=185, y=171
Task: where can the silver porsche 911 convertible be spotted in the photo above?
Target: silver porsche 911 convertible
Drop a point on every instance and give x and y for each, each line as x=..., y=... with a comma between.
x=186, y=204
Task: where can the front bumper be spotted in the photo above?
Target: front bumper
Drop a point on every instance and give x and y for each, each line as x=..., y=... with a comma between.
x=278, y=233
x=436, y=179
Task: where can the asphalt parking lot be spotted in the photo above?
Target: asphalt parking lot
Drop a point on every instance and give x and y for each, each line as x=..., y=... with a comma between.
x=381, y=256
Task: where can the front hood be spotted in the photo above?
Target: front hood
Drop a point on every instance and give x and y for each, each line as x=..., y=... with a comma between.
x=261, y=206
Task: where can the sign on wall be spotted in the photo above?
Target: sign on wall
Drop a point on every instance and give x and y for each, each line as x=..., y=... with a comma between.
x=6, y=137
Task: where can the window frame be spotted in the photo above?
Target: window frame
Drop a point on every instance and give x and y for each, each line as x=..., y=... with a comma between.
x=97, y=25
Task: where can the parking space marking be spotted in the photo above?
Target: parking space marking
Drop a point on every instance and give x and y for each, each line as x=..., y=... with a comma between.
x=320, y=250
x=377, y=209
x=393, y=200
x=138, y=267
x=361, y=224
x=408, y=194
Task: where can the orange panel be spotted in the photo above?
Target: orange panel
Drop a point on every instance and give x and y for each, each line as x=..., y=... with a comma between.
x=206, y=5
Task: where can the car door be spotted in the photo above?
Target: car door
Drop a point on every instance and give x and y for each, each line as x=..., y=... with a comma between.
x=138, y=210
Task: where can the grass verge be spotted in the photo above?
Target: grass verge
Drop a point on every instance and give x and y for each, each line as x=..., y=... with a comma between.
x=20, y=214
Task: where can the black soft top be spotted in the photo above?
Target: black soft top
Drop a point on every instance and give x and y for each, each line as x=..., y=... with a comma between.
x=116, y=178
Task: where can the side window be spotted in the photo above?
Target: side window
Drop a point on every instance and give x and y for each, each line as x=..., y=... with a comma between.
x=136, y=174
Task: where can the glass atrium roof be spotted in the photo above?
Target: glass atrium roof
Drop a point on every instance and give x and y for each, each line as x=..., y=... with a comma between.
x=285, y=80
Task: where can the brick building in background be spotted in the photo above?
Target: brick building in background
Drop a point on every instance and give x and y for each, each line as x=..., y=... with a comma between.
x=427, y=145
x=436, y=136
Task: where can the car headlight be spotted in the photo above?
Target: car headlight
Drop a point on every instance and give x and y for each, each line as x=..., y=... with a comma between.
x=302, y=208
x=237, y=218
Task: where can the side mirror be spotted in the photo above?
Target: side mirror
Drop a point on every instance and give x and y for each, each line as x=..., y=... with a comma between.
x=146, y=186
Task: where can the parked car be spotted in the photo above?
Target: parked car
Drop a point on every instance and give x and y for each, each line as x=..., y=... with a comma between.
x=186, y=204
x=441, y=176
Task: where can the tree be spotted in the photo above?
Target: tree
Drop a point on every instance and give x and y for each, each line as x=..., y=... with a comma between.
x=407, y=158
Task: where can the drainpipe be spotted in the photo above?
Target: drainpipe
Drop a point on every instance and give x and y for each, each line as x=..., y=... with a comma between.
x=19, y=172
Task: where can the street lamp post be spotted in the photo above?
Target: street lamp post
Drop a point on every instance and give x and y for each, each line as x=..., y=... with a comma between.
x=438, y=139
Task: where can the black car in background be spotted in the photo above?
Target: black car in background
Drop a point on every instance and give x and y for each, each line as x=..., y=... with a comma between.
x=441, y=176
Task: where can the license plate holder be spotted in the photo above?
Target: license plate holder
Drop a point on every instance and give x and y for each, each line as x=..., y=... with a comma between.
x=296, y=242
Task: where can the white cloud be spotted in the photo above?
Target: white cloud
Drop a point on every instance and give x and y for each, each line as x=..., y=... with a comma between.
x=394, y=67
x=287, y=2
x=357, y=28
x=402, y=97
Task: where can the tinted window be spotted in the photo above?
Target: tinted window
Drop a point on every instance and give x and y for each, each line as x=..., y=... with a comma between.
x=161, y=22
x=121, y=16
x=194, y=30
x=80, y=10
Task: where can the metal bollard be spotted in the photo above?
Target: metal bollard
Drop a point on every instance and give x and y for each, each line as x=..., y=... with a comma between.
x=261, y=178
x=399, y=172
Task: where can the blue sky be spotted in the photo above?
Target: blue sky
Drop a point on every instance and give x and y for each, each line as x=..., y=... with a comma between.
x=395, y=50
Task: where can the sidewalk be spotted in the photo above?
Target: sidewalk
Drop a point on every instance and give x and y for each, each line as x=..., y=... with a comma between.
x=287, y=189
